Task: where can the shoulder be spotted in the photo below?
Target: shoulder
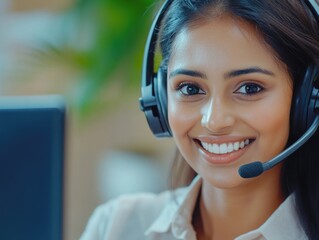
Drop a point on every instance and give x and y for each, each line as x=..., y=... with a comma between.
x=132, y=214
x=145, y=204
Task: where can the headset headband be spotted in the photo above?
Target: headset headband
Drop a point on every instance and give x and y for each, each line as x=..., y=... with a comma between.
x=150, y=46
x=314, y=8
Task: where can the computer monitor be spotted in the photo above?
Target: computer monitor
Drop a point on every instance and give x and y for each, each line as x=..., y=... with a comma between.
x=31, y=167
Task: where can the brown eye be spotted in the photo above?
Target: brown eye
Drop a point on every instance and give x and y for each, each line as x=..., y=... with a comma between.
x=189, y=89
x=249, y=89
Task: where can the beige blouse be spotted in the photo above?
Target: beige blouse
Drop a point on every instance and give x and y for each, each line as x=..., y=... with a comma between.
x=167, y=216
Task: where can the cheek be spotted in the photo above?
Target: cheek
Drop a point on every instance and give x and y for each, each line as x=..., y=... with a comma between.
x=178, y=117
x=183, y=119
x=182, y=116
x=272, y=121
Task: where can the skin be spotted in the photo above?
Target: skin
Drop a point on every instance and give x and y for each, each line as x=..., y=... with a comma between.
x=210, y=100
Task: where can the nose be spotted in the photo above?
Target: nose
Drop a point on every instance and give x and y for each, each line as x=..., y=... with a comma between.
x=218, y=115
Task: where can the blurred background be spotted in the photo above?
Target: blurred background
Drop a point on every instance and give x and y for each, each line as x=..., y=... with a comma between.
x=89, y=51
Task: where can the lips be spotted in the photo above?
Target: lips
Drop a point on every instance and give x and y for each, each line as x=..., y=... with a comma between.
x=219, y=151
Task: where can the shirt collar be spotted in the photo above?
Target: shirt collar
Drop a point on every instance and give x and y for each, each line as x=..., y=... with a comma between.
x=282, y=224
x=177, y=214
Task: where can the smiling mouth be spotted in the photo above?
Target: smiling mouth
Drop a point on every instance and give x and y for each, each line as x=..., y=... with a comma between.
x=224, y=148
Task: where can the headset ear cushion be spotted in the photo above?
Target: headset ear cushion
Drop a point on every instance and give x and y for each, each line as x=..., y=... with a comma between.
x=153, y=103
x=304, y=103
x=161, y=97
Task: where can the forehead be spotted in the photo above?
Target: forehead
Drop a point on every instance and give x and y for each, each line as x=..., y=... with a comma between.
x=222, y=41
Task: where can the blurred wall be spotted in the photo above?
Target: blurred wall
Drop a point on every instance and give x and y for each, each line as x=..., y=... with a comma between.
x=106, y=152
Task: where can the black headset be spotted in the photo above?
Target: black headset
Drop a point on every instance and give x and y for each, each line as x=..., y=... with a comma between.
x=153, y=100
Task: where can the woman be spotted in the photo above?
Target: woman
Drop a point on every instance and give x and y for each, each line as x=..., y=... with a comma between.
x=234, y=70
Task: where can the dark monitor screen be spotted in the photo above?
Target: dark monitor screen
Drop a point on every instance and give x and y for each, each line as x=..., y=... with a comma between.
x=31, y=167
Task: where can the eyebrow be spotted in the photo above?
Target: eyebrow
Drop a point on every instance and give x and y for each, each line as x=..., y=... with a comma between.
x=187, y=72
x=230, y=74
x=236, y=73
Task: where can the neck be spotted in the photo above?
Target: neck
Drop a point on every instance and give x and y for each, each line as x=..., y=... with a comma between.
x=228, y=213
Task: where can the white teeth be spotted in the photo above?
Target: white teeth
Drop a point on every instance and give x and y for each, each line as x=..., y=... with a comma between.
x=215, y=148
x=224, y=147
x=230, y=147
x=236, y=146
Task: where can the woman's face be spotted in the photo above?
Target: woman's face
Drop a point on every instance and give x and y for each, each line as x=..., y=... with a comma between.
x=228, y=100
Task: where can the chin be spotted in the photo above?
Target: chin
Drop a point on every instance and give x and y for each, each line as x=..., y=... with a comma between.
x=223, y=179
